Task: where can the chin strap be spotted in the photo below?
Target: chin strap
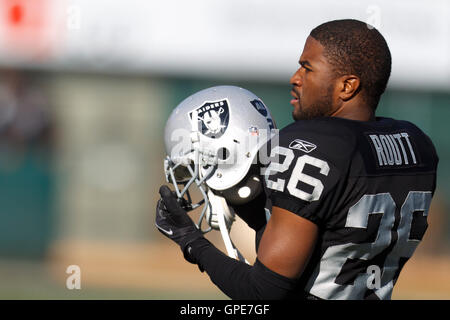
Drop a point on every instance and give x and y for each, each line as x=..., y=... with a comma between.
x=222, y=217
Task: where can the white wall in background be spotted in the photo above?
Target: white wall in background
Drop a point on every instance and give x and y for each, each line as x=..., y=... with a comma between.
x=232, y=39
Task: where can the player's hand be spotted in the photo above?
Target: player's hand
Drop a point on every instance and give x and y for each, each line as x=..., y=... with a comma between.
x=173, y=221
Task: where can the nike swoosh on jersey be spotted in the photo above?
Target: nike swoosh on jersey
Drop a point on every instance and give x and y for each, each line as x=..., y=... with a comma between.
x=169, y=232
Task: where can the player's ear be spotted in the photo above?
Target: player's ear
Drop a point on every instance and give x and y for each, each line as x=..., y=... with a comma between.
x=349, y=86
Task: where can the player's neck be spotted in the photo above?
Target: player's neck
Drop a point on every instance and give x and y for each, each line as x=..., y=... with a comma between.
x=355, y=111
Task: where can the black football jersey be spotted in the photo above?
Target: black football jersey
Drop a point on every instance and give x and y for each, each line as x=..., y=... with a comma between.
x=368, y=186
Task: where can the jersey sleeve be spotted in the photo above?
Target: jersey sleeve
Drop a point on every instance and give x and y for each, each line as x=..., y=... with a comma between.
x=306, y=173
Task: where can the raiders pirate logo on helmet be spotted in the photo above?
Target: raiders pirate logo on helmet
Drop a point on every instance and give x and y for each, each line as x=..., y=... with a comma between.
x=214, y=118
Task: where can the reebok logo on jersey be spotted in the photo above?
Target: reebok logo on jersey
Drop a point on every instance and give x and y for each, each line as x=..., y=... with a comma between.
x=302, y=145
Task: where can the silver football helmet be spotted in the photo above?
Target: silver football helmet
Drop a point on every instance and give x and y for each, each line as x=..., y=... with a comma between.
x=213, y=140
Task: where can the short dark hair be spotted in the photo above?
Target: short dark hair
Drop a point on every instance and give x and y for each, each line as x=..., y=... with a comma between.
x=354, y=47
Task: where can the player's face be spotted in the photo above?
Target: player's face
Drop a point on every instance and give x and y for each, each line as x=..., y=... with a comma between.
x=312, y=84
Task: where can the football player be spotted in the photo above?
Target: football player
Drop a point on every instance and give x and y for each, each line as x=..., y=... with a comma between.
x=347, y=192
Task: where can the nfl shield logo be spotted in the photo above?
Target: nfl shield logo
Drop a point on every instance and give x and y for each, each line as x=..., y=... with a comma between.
x=253, y=131
x=214, y=118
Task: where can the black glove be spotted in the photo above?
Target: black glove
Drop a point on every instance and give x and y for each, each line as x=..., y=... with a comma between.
x=173, y=221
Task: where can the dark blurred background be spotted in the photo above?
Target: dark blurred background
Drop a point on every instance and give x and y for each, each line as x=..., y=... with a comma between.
x=87, y=86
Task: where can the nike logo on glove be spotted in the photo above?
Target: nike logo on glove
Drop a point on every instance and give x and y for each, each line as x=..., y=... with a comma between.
x=168, y=232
